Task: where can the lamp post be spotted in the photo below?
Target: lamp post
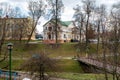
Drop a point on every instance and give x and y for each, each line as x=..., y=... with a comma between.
x=9, y=47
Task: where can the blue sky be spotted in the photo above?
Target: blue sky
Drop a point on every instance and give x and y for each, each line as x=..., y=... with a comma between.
x=68, y=10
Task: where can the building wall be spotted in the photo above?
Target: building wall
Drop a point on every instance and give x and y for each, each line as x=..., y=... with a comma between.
x=64, y=34
x=16, y=28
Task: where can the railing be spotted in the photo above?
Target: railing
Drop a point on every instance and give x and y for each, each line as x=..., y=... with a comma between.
x=5, y=74
x=100, y=65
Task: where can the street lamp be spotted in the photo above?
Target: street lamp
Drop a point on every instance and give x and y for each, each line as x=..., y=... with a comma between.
x=9, y=47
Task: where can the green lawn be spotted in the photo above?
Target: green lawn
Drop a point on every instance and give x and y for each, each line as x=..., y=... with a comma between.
x=63, y=65
x=15, y=64
x=80, y=76
x=64, y=50
x=69, y=66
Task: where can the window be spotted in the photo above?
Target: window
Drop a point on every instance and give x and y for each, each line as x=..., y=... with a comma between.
x=50, y=28
x=64, y=35
x=45, y=28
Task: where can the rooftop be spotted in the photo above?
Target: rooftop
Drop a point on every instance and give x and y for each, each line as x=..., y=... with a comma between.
x=65, y=23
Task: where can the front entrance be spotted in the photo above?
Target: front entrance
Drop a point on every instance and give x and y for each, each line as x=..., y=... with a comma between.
x=49, y=36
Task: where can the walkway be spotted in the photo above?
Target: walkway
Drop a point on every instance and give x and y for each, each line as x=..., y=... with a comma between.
x=110, y=68
x=22, y=75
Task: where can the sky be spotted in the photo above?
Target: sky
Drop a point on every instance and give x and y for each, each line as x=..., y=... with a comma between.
x=68, y=8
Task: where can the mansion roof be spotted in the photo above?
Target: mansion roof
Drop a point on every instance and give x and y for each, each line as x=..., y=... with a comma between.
x=62, y=23
x=65, y=23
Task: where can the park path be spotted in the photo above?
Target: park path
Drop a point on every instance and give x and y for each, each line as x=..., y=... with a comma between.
x=22, y=75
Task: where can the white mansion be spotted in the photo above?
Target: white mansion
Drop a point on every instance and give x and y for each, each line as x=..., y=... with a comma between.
x=66, y=31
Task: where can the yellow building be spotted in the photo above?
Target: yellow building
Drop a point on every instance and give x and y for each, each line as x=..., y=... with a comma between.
x=16, y=28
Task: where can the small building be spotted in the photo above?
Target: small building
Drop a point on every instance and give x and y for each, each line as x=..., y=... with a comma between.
x=65, y=31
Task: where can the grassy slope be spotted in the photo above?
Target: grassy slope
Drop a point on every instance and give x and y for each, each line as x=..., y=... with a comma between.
x=64, y=50
x=15, y=64
x=79, y=76
x=69, y=68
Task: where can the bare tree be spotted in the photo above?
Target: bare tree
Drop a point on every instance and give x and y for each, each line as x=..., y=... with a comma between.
x=20, y=28
x=79, y=20
x=40, y=63
x=102, y=25
x=98, y=21
x=115, y=23
x=37, y=9
x=56, y=9
x=79, y=23
x=7, y=28
x=100, y=14
x=3, y=32
x=3, y=24
x=88, y=7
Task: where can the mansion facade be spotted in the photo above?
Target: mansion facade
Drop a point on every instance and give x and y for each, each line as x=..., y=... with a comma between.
x=66, y=31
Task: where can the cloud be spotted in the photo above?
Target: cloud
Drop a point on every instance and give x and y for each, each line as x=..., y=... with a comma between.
x=107, y=1
x=67, y=15
x=40, y=24
x=3, y=0
x=16, y=1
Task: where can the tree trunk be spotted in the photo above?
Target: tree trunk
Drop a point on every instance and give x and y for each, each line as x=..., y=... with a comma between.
x=104, y=51
x=98, y=39
x=34, y=23
x=3, y=35
x=87, y=25
x=56, y=23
